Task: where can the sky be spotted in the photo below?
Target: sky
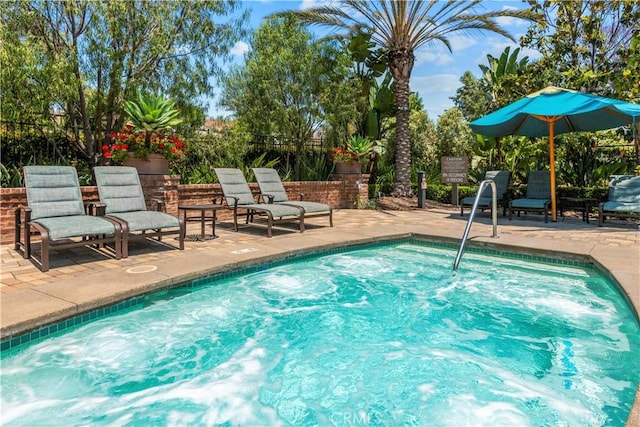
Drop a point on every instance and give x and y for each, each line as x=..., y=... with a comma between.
x=436, y=73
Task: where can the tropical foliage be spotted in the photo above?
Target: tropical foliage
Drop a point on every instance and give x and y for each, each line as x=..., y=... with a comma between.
x=150, y=130
x=400, y=28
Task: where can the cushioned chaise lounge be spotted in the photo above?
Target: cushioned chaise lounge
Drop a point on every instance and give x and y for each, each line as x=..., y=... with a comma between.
x=538, y=197
x=623, y=200
x=501, y=178
x=272, y=189
x=56, y=211
x=120, y=190
x=238, y=196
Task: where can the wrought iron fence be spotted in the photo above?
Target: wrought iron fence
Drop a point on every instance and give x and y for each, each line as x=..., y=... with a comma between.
x=30, y=143
x=274, y=143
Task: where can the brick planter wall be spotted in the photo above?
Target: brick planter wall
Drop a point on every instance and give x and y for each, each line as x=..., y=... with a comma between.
x=342, y=192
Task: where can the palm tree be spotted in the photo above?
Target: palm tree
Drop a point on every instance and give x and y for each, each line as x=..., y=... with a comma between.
x=400, y=27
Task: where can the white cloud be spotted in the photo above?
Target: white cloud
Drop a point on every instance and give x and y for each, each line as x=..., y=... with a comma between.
x=443, y=58
x=240, y=48
x=460, y=42
x=435, y=91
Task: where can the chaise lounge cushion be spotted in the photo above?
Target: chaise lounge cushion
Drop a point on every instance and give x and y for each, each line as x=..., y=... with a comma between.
x=501, y=179
x=529, y=203
x=234, y=184
x=144, y=220
x=56, y=211
x=271, y=184
x=120, y=190
x=53, y=191
x=76, y=226
x=624, y=194
x=621, y=207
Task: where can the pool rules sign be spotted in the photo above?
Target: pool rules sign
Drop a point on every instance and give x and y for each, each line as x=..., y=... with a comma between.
x=455, y=170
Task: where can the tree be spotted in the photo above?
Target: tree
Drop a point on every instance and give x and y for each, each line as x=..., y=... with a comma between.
x=472, y=99
x=376, y=101
x=455, y=137
x=90, y=56
x=400, y=28
x=584, y=42
x=588, y=45
x=290, y=85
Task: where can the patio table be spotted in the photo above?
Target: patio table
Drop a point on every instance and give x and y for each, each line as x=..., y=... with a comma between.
x=202, y=217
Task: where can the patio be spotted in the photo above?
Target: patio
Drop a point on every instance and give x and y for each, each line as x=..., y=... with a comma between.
x=80, y=280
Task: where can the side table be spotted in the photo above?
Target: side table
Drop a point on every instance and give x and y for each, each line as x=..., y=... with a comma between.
x=581, y=204
x=203, y=217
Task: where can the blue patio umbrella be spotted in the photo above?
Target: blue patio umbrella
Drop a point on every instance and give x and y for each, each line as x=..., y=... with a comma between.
x=553, y=111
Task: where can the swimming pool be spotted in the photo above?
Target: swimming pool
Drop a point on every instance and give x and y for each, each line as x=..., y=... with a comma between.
x=373, y=336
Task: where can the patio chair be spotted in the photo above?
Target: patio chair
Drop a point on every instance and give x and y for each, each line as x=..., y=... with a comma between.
x=501, y=178
x=120, y=190
x=538, y=197
x=238, y=196
x=56, y=211
x=623, y=199
x=271, y=187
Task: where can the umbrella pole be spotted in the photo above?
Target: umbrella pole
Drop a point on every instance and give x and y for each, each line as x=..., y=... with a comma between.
x=552, y=162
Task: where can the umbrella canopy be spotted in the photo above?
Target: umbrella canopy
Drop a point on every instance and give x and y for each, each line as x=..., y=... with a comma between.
x=552, y=111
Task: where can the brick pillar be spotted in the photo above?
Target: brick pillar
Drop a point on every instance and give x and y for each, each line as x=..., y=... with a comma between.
x=162, y=187
x=355, y=189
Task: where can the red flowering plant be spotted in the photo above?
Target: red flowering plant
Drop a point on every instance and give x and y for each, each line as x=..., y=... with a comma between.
x=344, y=155
x=150, y=131
x=357, y=149
x=141, y=144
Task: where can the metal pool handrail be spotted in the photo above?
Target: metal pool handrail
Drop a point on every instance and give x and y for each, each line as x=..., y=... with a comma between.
x=494, y=217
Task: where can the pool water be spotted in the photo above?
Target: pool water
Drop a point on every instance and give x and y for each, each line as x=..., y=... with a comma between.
x=381, y=335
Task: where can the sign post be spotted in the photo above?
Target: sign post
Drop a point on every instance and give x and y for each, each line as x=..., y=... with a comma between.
x=455, y=170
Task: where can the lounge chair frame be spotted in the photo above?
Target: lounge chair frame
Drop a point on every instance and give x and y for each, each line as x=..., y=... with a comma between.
x=237, y=196
x=623, y=196
x=272, y=189
x=121, y=205
x=538, y=194
x=502, y=179
x=26, y=226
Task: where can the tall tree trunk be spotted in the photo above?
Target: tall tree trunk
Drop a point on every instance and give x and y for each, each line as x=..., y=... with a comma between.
x=401, y=64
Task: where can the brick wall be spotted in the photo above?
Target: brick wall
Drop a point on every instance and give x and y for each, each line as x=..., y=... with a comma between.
x=164, y=188
x=342, y=192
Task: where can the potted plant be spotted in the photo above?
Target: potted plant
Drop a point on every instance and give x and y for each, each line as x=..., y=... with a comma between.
x=147, y=141
x=349, y=159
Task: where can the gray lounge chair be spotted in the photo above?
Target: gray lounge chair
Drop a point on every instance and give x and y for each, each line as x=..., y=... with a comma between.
x=238, y=196
x=623, y=200
x=56, y=211
x=120, y=190
x=538, y=197
x=271, y=187
x=501, y=178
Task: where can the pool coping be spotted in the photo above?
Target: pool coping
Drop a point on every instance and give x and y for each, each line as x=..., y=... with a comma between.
x=27, y=332
x=8, y=332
